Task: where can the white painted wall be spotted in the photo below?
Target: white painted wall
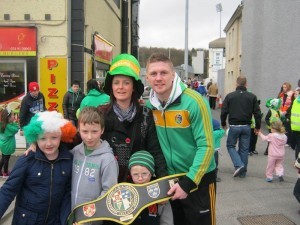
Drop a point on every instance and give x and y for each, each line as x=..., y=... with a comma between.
x=271, y=47
x=198, y=62
x=216, y=62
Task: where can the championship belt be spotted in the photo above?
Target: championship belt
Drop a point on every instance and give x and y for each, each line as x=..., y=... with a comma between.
x=124, y=201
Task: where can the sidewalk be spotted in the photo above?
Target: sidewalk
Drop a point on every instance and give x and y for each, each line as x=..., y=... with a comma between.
x=251, y=196
x=7, y=218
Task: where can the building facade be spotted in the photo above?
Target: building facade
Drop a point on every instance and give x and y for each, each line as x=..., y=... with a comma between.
x=56, y=42
x=216, y=58
x=262, y=44
x=233, y=47
x=271, y=47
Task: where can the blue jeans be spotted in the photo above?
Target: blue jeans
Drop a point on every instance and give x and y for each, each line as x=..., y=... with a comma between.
x=242, y=134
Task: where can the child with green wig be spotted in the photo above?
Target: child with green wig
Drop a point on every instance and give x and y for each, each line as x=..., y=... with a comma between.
x=8, y=129
x=273, y=114
x=41, y=181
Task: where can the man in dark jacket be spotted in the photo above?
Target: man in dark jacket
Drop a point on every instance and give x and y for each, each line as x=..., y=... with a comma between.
x=71, y=102
x=240, y=105
x=32, y=103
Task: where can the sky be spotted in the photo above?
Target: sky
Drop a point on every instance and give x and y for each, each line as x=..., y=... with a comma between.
x=162, y=22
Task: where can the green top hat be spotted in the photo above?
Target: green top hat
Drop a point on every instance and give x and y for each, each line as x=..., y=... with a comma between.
x=126, y=65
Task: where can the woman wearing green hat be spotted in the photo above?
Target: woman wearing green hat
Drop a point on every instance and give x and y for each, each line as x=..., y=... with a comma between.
x=129, y=127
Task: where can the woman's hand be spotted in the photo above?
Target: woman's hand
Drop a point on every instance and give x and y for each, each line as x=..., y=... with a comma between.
x=32, y=148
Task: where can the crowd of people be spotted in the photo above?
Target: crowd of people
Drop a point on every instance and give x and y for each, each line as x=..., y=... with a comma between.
x=106, y=137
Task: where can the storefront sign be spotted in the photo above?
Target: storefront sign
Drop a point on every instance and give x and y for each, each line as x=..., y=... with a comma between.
x=17, y=41
x=103, y=49
x=217, y=60
x=53, y=79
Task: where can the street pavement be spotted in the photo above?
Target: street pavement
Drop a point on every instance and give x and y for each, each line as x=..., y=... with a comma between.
x=250, y=196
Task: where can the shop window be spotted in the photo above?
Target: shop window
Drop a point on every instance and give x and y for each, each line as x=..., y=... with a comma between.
x=12, y=80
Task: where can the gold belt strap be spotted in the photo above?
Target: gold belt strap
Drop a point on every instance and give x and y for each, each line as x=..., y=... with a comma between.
x=124, y=201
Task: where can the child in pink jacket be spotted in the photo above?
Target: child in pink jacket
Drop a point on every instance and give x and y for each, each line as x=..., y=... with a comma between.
x=277, y=139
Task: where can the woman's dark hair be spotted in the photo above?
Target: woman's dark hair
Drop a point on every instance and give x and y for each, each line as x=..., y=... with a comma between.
x=134, y=96
x=92, y=84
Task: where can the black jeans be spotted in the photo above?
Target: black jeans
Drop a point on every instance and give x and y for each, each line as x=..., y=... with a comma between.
x=291, y=140
x=212, y=102
x=253, y=141
x=4, y=163
x=199, y=207
x=297, y=190
x=217, y=162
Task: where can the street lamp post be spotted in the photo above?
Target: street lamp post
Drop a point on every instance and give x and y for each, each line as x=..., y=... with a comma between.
x=186, y=50
x=220, y=9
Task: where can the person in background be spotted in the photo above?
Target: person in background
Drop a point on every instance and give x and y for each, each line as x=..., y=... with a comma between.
x=253, y=136
x=209, y=83
x=146, y=92
x=141, y=167
x=294, y=116
x=184, y=127
x=298, y=87
x=32, y=103
x=287, y=98
x=212, y=93
x=195, y=84
x=71, y=102
x=277, y=139
x=296, y=191
x=201, y=89
x=95, y=96
x=129, y=126
x=240, y=106
x=8, y=129
x=41, y=181
x=189, y=82
x=95, y=169
x=218, y=134
x=273, y=114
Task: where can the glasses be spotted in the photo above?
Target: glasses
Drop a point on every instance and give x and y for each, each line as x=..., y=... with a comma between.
x=138, y=175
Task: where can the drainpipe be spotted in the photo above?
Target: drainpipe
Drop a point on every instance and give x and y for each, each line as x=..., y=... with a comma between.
x=124, y=31
x=69, y=9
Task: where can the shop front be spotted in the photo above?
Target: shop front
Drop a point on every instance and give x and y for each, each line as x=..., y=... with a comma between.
x=103, y=51
x=18, y=50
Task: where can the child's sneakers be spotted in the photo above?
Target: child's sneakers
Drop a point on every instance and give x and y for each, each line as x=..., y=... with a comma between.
x=280, y=178
x=269, y=180
x=5, y=175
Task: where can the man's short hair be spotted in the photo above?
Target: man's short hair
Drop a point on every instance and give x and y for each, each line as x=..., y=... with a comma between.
x=159, y=57
x=75, y=82
x=241, y=81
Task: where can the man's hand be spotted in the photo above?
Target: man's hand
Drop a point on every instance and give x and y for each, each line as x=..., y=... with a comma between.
x=256, y=131
x=177, y=192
